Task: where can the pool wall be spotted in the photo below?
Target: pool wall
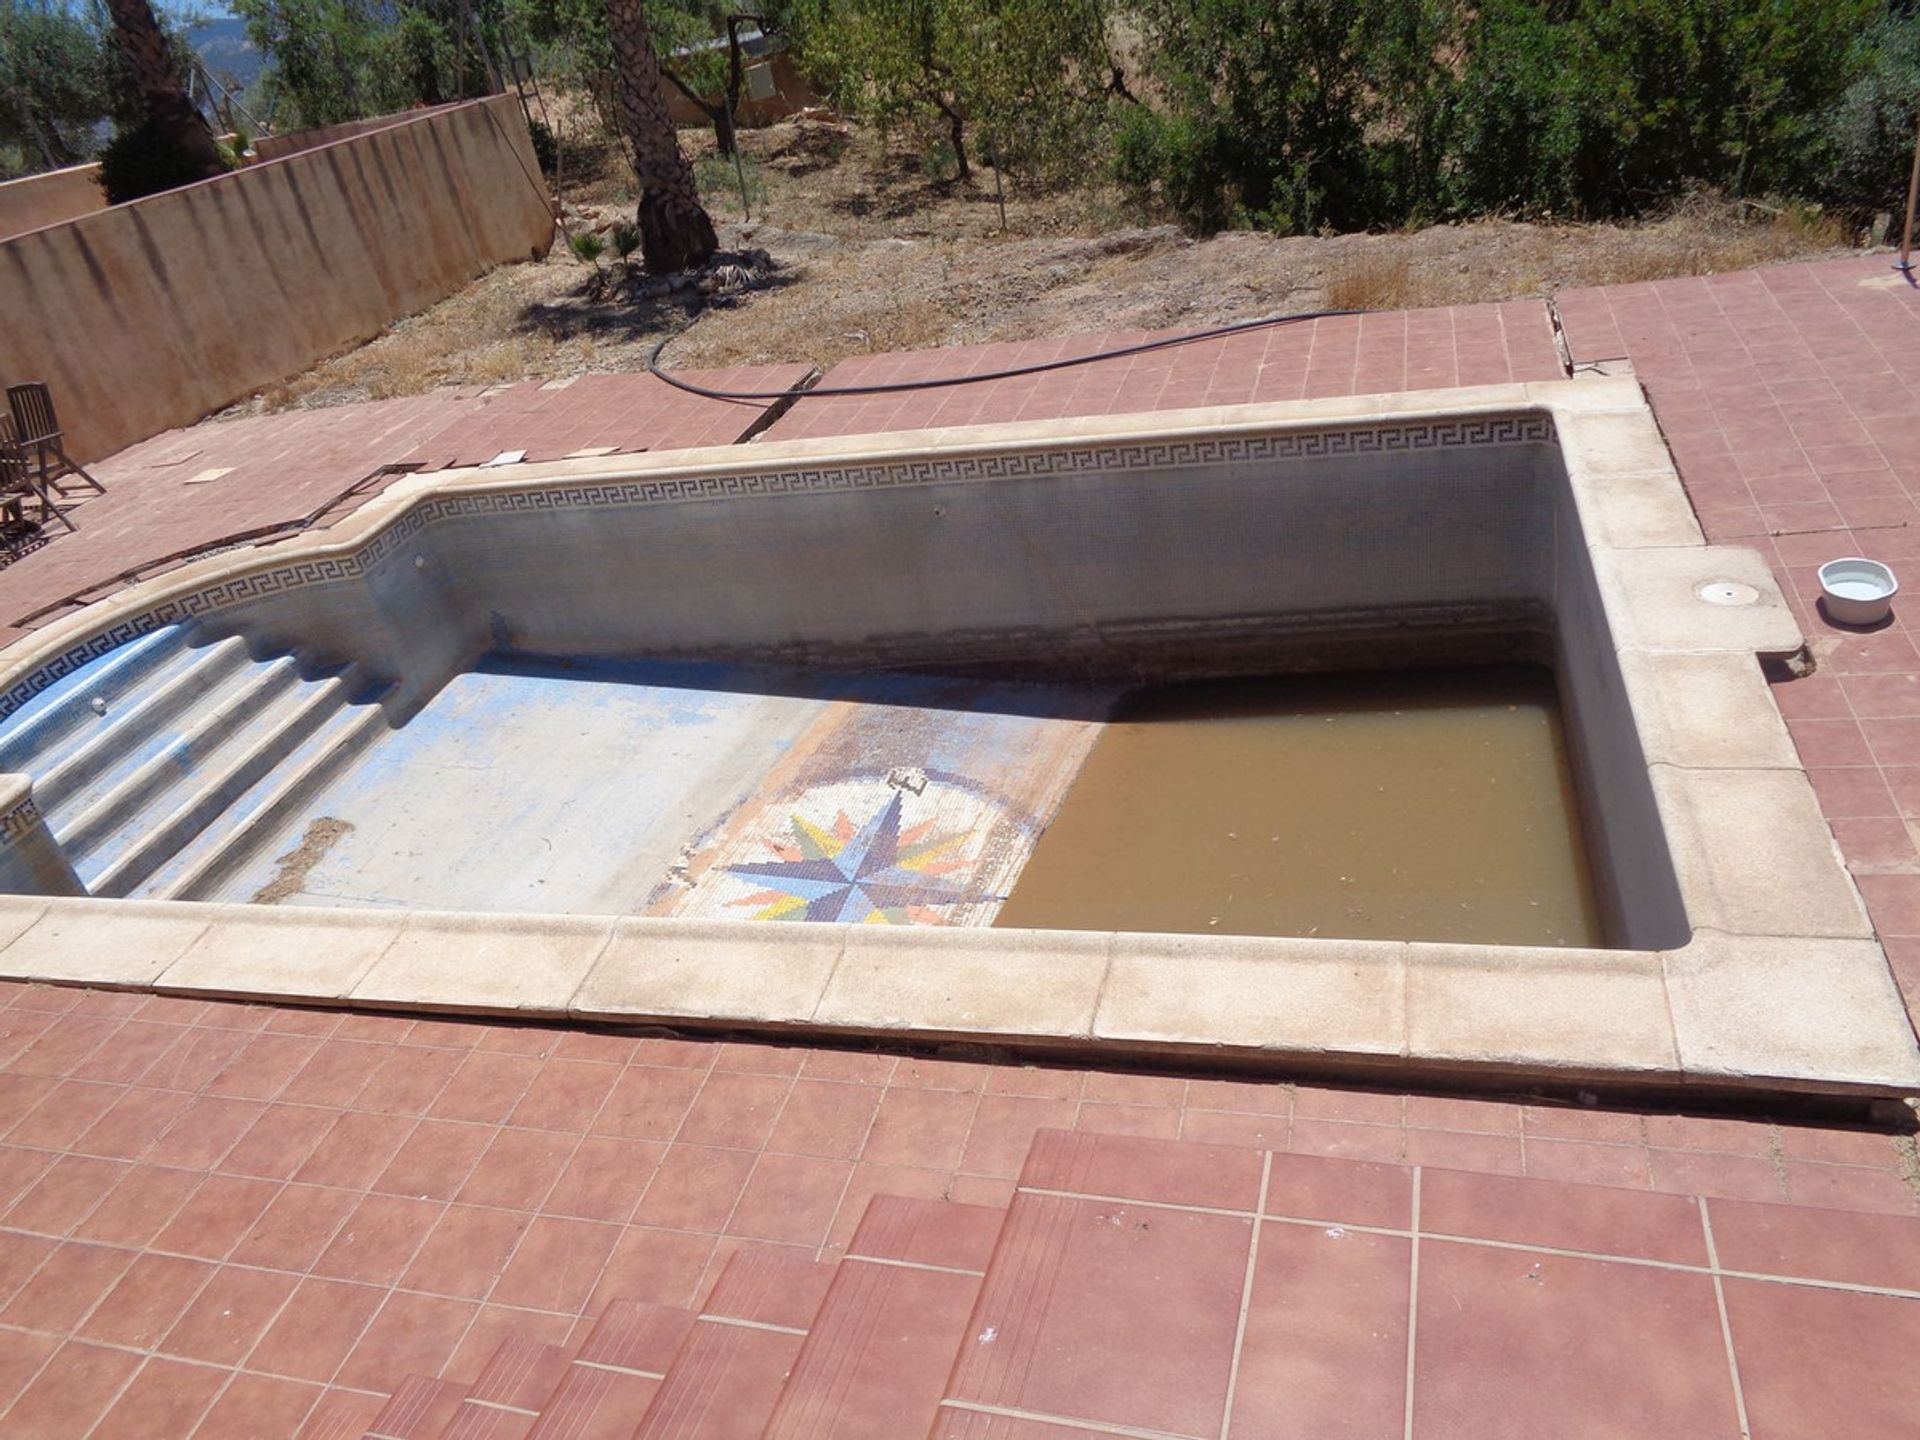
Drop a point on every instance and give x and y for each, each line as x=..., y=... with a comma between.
x=1312, y=533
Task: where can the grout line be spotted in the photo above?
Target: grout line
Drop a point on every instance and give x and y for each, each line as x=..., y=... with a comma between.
x=913, y=1265
x=1485, y=1242
x=1042, y=1417
x=1413, y=1302
x=500, y=1405
x=621, y=1369
x=738, y=1323
x=1246, y=1298
x=1726, y=1326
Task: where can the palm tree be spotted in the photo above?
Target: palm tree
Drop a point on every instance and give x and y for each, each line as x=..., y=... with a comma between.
x=674, y=231
x=150, y=59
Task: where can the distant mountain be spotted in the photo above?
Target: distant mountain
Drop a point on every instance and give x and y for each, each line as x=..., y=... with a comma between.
x=226, y=51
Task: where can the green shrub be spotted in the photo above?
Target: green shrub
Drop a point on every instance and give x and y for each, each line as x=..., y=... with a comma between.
x=1868, y=133
x=545, y=148
x=140, y=162
x=588, y=246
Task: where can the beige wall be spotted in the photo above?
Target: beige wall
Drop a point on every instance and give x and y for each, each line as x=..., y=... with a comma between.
x=154, y=314
x=48, y=199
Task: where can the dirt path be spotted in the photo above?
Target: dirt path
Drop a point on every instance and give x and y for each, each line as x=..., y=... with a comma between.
x=867, y=251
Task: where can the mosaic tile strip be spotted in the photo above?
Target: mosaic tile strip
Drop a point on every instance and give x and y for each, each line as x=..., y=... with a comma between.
x=18, y=821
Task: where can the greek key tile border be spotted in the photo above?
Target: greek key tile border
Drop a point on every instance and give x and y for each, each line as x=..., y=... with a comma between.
x=1325, y=442
x=1196, y=452
x=15, y=823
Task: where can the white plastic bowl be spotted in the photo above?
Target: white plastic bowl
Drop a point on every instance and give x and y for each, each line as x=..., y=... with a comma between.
x=1857, y=592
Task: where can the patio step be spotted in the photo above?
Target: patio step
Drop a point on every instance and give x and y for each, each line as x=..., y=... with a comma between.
x=65, y=709
x=259, y=823
x=510, y=1391
x=875, y=1361
x=618, y=1371
x=728, y=1373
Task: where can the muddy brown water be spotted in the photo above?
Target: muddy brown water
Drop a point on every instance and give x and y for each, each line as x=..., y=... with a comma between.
x=1423, y=805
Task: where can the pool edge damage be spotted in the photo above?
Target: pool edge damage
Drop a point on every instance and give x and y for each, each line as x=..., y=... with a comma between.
x=1781, y=987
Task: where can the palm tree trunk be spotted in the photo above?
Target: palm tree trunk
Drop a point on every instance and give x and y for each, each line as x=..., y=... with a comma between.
x=169, y=112
x=674, y=231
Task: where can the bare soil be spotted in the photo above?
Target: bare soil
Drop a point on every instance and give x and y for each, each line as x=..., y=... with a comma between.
x=858, y=243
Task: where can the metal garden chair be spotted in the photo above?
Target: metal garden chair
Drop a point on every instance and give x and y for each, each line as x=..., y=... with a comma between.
x=39, y=433
x=21, y=477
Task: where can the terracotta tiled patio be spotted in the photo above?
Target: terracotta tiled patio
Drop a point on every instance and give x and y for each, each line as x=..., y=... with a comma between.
x=224, y=1220
x=275, y=1216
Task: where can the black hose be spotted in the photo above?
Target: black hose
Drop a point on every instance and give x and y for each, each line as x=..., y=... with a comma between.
x=796, y=392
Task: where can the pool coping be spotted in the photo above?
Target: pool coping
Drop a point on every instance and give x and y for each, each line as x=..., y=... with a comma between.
x=1782, y=987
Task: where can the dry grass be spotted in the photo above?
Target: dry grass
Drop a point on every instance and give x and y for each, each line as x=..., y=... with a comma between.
x=873, y=254
x=1372, y=280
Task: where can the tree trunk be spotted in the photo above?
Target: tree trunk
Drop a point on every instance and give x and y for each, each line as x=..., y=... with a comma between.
x=674, y=231
x=169, y=112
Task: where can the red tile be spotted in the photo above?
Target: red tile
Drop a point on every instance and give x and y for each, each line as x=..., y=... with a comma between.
x=216, y=1216
x=1841, y=1147
x=1145, y=1122
x=20, y=1360
x=1824, y=1362
x=1120, y=1089
x=279, y=1142
x=467, y=1251
x=495, y=1325
x=875, y=1362
x=605, y=1178
x=129, y=1128
x=1047, y=1082
x=50, y=1113
x=695, y=1188
x=1848, y=1187
x=419, y=1409
x=256, y=1405
x=167, y=1397
x=518, y=1169
x=1453, y=1149
x=378, y=1239
x=1738, y=1177
x=725, y=1390
x=1588, y=1164
x=434, y=1160
x=205, y=1131
x=1325, y=1346
x=297, y=1225
x=320, y=1324
x=769, y=1286
x=662, y=1267
x=409, y=1080
x=146, y=1301
x=1105, y=1311
x=928, y=1232
x=557, y=1264
x=69, y=1283
x=1226, y=1127
x=1452, y=1112
x=1347, y=1140
x=229, y=1315
x=412, y=1335
x=341, y=1415
x=1220, y=1177
x=1860, y=1249
x=826, y=1118
x=791, y=1199
x=1524, y=1343
x=70, y=1393
x=734, y=1110
x=566, y=1095
x=1003, y=1130
x=1592, y=1218
x=65, y=1194
x=355, y=1151
x=485, y=1087
x=633, y=1335
x=20, y=1258
x=262, y=1069
x=649, y=1102
x=139, y=1207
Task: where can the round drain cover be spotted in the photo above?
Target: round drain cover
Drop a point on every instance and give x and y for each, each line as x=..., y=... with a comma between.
x=1727, y=592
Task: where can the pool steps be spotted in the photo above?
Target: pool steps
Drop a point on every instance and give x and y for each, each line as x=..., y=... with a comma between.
x=163, y=766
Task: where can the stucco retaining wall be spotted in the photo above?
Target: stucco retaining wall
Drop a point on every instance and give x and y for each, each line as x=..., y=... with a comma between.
x=49, y=199
x=153, y=314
